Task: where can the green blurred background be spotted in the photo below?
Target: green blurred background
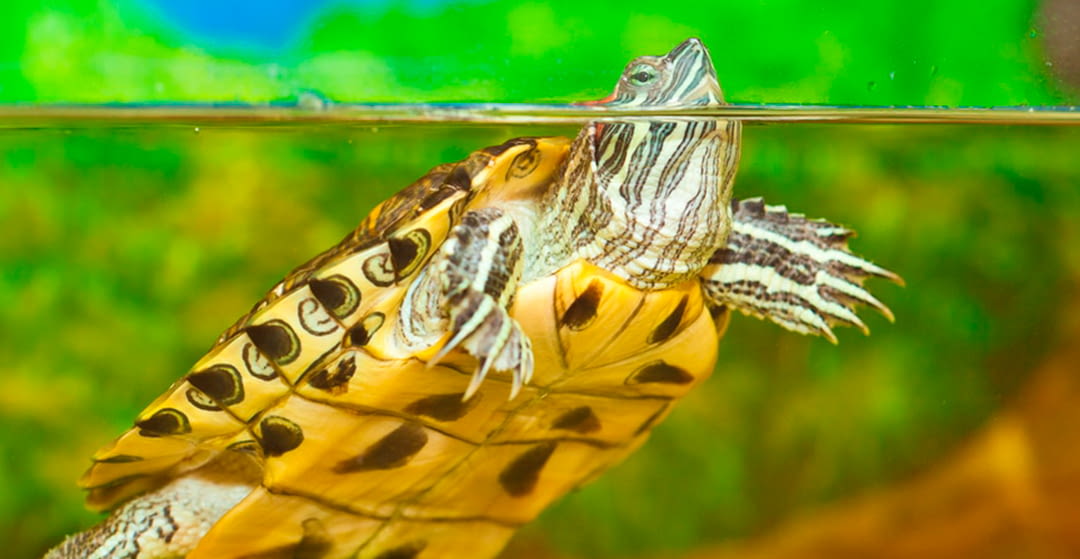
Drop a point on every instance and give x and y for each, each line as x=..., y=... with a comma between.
x=127, y=249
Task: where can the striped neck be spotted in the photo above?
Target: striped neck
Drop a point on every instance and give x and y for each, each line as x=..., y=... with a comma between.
x=648, y=200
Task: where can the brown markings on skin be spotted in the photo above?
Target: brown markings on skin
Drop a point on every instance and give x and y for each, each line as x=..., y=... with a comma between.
x=443, y=407
x=392, y=451
x=164, y=422
x=580, y=420
x=520, y=477
x=669, y=325
x=583, y=310
x=660, y=372
x=279, y=435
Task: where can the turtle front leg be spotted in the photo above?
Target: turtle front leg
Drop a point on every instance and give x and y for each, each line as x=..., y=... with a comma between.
x=463, y=296
x=791, y=270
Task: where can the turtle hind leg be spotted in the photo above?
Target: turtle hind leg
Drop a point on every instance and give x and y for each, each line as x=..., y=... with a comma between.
x=791, y=270
x=469, y=286
x=169, y=521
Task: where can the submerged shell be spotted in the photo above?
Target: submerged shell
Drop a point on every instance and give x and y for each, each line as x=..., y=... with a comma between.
x=364, y=448
x=339, y=299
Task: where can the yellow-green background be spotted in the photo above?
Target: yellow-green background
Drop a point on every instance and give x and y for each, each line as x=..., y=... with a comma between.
x=124, y=251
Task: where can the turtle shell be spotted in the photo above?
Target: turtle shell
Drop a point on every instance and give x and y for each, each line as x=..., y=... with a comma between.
x=338, y=299
x=362, y=449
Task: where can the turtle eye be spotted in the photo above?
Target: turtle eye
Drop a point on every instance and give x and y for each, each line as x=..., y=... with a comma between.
x=643, y=74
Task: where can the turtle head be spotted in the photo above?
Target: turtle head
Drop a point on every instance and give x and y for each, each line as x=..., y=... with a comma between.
x=649, y=196
x=683, y=77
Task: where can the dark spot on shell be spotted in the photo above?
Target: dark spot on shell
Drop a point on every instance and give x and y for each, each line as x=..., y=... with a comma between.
x=459, y=178
x=276, y=340
x=669, y=325
x=119, y=489
x=120, y=459
x=279, y=435
x=164, y=422
x=120, y=481
x=581, y=420
x=442, y=407
x=408, y=251
x=402, y=253
x=435, y=198
x=524, y=164
x=314, y=318
x=316, y=542
x=221, y=382
x=519, y=478
x=257, y=364
x=394, y=450
x=512, y=143
x=323, y=379
x=660, y=372
x=361, y=334
x=583, y=310
x=379, y=270
x=407, y=551
x=247, y=447
x=201, y=401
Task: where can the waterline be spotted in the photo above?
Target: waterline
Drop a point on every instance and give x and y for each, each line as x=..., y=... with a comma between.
x=38, y=116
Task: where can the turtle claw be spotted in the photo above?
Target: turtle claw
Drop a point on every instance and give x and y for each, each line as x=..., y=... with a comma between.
x=793, y=271
x=468, y=320
x=486, y=331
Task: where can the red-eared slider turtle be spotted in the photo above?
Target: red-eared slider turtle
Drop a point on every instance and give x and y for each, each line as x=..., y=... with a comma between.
x=495, y=335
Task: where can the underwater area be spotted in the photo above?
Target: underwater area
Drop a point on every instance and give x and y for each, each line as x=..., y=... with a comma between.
x=130, y=249
x=130, y=243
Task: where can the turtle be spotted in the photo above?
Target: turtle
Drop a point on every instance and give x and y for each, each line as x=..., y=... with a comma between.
x=492, y=337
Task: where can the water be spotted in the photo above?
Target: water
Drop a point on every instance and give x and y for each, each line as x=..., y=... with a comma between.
x=134, y=235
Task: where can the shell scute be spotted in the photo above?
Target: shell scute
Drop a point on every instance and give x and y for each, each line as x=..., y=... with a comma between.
x=527, y=477
x=294, y=332
x=599, y=420
x=400, y=539
x=363, y=462
x=431, y=396
x=288, y=526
